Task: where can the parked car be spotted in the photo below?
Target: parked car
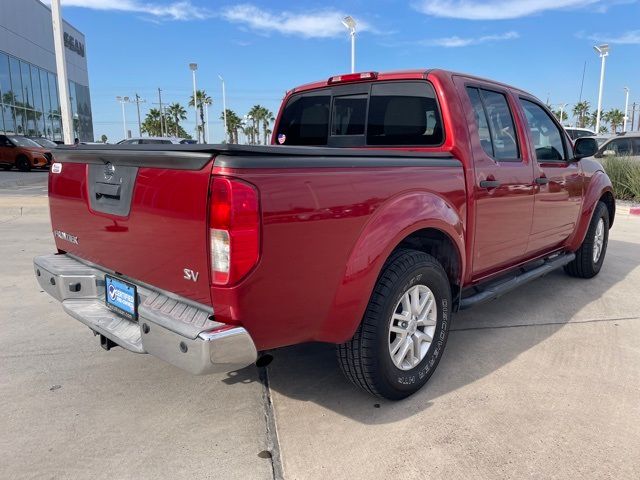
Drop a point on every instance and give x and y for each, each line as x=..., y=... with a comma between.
x=576, y=133
x=44, y=142
x=441, y=191
x=627, y=145
x=156, y=141
x=23, y=153
x=600, y=139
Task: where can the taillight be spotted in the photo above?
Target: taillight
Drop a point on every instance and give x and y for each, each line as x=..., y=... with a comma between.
x=234, y=223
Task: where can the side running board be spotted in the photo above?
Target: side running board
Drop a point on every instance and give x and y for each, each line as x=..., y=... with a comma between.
x=492, y=290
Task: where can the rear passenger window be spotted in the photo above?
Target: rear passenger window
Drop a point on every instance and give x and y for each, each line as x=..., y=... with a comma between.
x=348, y=115
x=621, y=146
x=545, y=134
x=481, y=121
x=495, y=124
x=404, y=113
x=305, y=120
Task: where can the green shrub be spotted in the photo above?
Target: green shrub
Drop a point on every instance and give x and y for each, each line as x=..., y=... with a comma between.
x=625, y=176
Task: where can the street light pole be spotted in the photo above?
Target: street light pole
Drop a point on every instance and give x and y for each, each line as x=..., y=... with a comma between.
x=122, y=101
x=138, y=102
x=205, y=138
x=562, y=107
x=626, y=109
x=61, y=69
x=350, y=24
x=162, y=125
x=194, y=67
x=603, y=52
x=224, y=109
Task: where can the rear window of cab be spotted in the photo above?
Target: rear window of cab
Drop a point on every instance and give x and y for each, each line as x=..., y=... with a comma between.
x=396, y=113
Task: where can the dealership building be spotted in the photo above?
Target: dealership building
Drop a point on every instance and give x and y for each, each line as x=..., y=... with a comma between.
x=29, y=101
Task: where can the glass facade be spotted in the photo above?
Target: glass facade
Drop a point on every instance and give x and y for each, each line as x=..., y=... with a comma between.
x=29, y=102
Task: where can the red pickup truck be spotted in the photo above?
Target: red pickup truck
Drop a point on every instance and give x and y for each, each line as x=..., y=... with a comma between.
x=387, y=202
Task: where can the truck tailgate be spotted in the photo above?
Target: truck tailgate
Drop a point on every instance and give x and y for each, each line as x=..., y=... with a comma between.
x=143, y=216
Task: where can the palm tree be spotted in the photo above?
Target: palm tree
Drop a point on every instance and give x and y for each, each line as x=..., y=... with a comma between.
x=202, y=100
x=614, y=117
x=267, y=118
x=151, y=124
x=177, y=113
x=234, y=124
x=256, y=113
x=561, y=115
x=581, y=110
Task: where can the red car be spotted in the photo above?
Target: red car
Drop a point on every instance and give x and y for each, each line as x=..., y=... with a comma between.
x=22, y=153
x=389, y=202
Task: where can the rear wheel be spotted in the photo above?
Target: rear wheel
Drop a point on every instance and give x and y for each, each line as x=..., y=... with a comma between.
x=404, y=329
x=590, y=255
x=23, y=164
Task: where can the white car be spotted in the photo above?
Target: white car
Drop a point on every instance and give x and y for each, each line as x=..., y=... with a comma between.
x=576, y=133
x=627, y=145
x=156, y=141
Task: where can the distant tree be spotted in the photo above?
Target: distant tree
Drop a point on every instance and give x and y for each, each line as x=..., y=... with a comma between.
x=103, y=138
x=234, y=125
x=614, y=118
x=177, y=112
x=201, y=100
x=151, y=124
x=565, y=115
x=581, y=112
x=257, y=114
x=267, y=118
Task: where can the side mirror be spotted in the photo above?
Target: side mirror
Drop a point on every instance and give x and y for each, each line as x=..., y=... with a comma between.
x=585, y=147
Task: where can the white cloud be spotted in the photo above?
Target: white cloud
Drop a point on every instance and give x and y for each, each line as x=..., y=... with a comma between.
x=175, y=10
x=319, y=24
x=497, y=9
x=631, y=37
x=455, y=41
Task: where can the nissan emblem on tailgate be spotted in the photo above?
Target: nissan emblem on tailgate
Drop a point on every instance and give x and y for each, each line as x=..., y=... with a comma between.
x=109, y=170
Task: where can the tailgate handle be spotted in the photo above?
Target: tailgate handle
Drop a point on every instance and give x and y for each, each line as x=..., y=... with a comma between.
x=107, y=190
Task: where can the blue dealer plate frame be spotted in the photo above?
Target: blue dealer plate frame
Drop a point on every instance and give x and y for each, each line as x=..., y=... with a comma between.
x=121, y=297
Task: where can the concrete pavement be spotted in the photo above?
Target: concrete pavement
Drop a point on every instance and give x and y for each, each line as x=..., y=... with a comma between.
x=543, y=383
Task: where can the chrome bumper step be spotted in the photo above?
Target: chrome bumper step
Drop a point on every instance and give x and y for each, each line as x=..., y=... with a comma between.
x=175, y=329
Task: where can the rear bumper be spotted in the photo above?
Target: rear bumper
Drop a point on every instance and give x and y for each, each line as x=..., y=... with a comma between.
x=174, y=329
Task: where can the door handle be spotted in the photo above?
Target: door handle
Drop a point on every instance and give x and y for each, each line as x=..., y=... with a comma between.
x=489, y=184
x=542, y=180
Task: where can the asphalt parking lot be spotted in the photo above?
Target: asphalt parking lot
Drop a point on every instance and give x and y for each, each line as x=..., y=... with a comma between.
x=542, y=383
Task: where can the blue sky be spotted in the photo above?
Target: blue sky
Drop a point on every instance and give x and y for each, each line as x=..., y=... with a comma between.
x=264, y=48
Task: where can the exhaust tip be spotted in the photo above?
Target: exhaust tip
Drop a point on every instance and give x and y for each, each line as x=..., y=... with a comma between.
x=264, y=360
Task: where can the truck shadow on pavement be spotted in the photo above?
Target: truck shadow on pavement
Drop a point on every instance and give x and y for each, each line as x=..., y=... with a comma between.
x=481, y=341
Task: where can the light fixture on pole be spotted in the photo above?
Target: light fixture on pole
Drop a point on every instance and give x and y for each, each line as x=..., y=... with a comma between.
x=193, y=67
x=224, y=109
x=350, y=24
x=626, y=109
x=122, y=101
x=61, y=70
x=562, y=107
x=603, y=52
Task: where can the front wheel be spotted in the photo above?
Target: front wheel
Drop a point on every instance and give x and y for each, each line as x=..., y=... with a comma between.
x=404, y=330
x=23, y=164
x=590, y=255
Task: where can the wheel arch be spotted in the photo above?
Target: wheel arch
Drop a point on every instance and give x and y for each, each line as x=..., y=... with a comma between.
x=423, y=221
x=598, y=189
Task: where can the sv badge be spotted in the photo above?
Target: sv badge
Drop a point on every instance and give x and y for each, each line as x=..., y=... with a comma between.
x=190, y=275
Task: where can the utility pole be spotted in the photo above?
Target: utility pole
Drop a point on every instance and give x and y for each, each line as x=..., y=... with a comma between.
x=633, y=116
x=61, y=69
x=138, y=101
x=161, y=113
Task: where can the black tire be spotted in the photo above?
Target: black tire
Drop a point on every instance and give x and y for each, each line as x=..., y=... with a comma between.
x=23, y=163
x=584, y=266
x=366, y=358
